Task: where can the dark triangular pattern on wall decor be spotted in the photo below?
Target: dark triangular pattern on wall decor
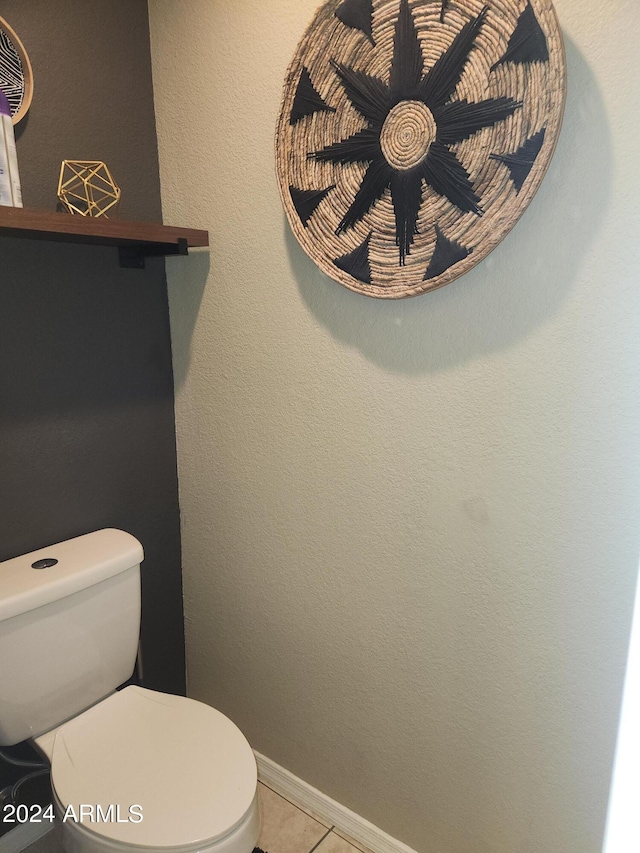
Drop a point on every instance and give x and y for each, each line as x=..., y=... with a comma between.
x=357, y=14
x=307, y=100
x=445, y=5
x=528, y=42
x=446, y=254
x=306, y=201
x=520, y=163
x=356, y=263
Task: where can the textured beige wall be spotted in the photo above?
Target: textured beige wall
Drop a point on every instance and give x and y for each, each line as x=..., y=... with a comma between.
x=410, y=530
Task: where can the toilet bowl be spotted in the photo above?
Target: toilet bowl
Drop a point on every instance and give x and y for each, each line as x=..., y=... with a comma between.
x=150, y=770
x=131, y=769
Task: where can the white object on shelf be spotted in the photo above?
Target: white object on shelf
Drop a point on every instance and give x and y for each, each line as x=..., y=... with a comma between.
x=10, y=191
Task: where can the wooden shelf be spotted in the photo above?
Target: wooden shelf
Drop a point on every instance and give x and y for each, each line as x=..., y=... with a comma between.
x=135, y=241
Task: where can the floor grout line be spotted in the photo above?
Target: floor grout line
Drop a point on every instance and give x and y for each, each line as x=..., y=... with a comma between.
x=328, y=832
x=357, y=844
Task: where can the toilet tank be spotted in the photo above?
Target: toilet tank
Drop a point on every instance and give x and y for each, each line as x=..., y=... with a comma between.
x=69, y=627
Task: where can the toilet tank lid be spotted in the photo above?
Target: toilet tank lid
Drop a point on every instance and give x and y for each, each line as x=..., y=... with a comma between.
x=67, y=568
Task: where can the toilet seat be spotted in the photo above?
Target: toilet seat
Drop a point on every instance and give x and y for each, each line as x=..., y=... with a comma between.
x=187, y=766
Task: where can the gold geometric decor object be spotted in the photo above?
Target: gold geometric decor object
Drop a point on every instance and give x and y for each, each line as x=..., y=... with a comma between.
x=16, y=74
x=87, y=188
x=413, y=134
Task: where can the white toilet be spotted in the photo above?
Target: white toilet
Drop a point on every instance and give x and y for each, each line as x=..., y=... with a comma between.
x=152, y=771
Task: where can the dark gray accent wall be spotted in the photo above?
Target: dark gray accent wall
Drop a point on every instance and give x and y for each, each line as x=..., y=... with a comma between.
x=87, y=435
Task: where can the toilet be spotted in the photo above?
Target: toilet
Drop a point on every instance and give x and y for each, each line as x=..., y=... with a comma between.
x=131, y=769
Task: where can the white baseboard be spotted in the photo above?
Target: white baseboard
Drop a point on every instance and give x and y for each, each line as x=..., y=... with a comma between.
x=22, y=836
x=329, y=811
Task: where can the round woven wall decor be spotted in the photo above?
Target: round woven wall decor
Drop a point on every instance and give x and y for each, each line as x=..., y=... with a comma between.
x=413, y=135
x=16, y=75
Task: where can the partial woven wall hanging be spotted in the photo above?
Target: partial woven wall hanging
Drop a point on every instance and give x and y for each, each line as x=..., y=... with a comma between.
x=16, y=75
x=413, y=135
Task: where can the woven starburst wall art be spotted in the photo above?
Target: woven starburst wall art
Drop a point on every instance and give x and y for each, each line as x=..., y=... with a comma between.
x=413, y=135
x=16, y=76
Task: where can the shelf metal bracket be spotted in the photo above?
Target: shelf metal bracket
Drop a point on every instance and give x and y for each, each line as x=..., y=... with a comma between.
x=133, y=257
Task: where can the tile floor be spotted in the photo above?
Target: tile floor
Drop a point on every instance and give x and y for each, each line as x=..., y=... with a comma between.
x=285, y=829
